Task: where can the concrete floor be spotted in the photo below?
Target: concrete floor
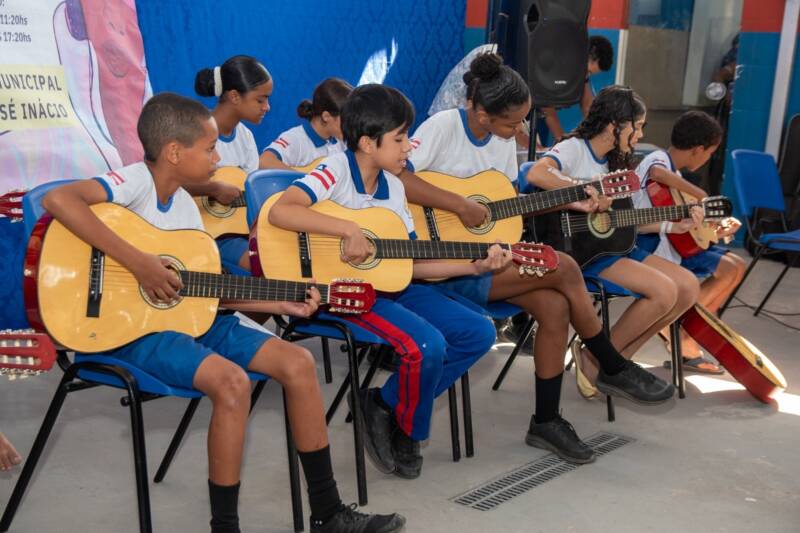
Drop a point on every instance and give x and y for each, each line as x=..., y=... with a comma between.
x=716, y=461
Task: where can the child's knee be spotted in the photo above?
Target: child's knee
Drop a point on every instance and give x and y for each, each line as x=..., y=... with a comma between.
x=230, y=389
x=298, y=364
x=664, y=295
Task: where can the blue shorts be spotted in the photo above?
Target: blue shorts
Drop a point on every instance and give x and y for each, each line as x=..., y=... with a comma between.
x=474, y=288
x=706, y=262
x=175, y=357
x=231, y=249
x=598, y=265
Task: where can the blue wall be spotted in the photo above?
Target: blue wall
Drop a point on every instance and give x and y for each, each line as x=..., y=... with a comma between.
x=302, y=42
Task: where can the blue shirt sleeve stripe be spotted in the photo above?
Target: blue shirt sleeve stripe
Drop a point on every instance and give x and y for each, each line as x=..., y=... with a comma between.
x=274, y=151
x=413, y=235
x=556, y=159
x=105, y=185
x=307, y=190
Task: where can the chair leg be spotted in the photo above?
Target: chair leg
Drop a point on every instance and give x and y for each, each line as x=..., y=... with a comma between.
x=326, y=360
x=517, y=347
x=358, y=436
x=789, y=265
x=36, y=451
x=343, y=388
x=256, y=394
x=611, y=413
x=466, y=401
x=139, y=453
x=176, y=440
x=294, y=472
x=454, y=437
x=677, y=358
x=371, y=371
x=744, y=278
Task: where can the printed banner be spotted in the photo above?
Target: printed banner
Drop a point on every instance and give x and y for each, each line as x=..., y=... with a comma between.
x=72, y=84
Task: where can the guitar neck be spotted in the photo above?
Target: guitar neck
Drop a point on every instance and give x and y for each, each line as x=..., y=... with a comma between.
x=622, y=218
x=405, y=249
x=230, y=287
x=540, y=201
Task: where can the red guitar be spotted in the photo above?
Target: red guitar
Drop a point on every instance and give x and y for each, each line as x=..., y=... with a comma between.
x=744, y=361
x=25, y=353
x=695, y=240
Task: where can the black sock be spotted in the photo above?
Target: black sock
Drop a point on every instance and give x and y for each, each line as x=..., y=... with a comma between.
x=323, y=497
x=548, y=398
x=224, y=507
x=611, y=361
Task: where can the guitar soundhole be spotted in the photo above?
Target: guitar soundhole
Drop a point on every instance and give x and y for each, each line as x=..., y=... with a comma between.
x=488, y=224
x=217, y=209
x=600, y=225
x=175, y=265
x=372, y=261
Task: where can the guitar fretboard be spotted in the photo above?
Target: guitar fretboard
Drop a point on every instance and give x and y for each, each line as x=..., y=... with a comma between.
x=239, y=202
x=230, y=287
x=540, y=201
x=405, y=249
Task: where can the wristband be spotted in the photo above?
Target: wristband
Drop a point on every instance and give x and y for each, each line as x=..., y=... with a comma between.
x=666, y=227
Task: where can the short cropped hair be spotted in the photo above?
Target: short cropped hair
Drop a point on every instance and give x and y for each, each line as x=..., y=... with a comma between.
x=601, y=50
x=374, y=110
x=695, y=128
x=168, y=117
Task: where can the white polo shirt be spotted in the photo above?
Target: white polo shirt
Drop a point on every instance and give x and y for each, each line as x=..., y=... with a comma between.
x=444, y=143
x=299, y=146
x=238, y=150
x=338, y=178
x=576, y=159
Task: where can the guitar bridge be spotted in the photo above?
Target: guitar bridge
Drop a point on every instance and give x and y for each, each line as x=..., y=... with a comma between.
x=305, y=254
x=430, y=221
x=98, y=261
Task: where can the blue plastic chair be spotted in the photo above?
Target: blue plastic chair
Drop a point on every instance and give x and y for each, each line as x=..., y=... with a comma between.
x=758, y=186
x=91, y=370
x=259, y=186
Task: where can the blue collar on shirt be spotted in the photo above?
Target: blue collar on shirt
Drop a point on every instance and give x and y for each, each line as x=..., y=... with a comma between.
x=315, y=137
x=671, y=164
x=164, y=207
x=228, y=138
x=381, y=193
x=470, y=136
x=589, y=146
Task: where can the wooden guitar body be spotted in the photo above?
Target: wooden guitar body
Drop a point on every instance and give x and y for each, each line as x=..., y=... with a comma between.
x=297, y=256
x=59, y=268
x=219, y=219
x=695, y=240
x=485, y=187
x=744, y=361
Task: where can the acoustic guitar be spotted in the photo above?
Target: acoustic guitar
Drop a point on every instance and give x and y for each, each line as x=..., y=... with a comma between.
x=25, y=353
x=88, y=302
x=298, y=255
x=220, y=219
x=739, y=356
x=492, y=189
x=695, y=240
x=588, y=236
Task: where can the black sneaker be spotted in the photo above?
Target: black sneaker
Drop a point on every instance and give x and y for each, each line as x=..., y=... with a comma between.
x=407, y=459
x=378, y=424
x=349, y=520
x=559, y=437
x=635, y=384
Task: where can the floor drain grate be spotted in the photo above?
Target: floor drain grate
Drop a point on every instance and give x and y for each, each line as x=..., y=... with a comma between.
x=520, y=480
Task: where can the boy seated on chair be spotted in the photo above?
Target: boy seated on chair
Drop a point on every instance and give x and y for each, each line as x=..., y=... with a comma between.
x=178, y=136
x=695, y=137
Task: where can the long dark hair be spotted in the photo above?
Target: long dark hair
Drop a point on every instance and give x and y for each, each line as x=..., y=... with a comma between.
x=240, y=73
x=615, y=105
x=328, y=96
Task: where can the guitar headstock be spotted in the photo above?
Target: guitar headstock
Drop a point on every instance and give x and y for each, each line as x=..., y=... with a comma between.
x=534, y=259
x=350, y=296
x=619, y=184
x=24, y=353
x=717, y=207
x=11, y=204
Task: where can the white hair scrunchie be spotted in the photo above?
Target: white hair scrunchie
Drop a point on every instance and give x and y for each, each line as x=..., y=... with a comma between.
x=217, y=82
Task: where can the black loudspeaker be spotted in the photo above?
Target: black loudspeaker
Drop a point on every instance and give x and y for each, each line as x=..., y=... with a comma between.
x=557, y=50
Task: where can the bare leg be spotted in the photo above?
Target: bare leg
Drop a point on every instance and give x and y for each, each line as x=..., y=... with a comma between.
x=294, y=368
x=228, y=387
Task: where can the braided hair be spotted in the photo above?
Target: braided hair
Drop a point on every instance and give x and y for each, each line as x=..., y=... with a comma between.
x=615, y=105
